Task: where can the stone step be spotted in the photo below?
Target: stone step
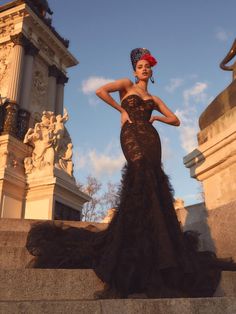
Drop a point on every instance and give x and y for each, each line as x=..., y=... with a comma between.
x=14, y=258
x=48, y=284
x=224, y=305
x=25, y=224
x=13, y=239
x=69, y=284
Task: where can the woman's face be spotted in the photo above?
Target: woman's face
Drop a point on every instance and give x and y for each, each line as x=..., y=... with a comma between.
x=143, y=70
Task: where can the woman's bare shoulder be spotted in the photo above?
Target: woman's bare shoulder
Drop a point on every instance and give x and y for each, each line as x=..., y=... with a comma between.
x=126, y=82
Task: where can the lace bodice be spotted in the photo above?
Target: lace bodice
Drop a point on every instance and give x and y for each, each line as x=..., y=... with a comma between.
x=137, y=108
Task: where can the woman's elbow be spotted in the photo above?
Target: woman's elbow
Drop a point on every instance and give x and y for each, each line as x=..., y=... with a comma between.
x=176, y=122
x=98, y=92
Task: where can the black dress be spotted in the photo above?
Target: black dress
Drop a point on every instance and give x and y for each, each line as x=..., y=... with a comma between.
x=144, y=249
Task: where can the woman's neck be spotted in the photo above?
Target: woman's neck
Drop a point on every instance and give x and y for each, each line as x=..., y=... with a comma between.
x=142, y=85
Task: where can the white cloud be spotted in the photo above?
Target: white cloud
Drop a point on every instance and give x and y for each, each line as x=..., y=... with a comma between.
x=90, y=85
x=174, y=84
x=183, y=115
x=100, y=164
x=188, y=114
x=188, y=137
x=93, y=101
x=165, y=147
x=197, y=93
x=223, y=35
x=103, y=164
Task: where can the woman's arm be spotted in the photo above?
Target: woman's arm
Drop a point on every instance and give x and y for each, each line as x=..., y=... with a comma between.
x=169, y=116
x=122, y=86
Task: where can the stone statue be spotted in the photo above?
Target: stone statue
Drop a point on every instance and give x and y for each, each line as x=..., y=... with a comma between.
x=109, y=215
x=59, y=128
x=42, y=6
x=51, y=144
x=65, y=161
x=230, y=55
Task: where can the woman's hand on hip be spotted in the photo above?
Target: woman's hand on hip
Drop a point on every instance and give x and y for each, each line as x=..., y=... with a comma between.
x=152, y=119
x=124, y=117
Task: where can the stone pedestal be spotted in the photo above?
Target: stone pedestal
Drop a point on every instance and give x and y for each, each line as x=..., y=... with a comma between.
x=54, y=196
x=33, y=64
x=12, y=176
x=214, y=163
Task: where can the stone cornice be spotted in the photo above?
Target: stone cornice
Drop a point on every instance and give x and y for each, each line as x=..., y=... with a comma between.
x=33, y=7
x=198, y=159
x=59, y=75
x=62, y=78
x=20, y=39
x=31, y=50
x=15, y=12
x=53, y=71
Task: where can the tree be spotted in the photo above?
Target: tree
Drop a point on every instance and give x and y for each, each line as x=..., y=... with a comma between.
x=96, y=209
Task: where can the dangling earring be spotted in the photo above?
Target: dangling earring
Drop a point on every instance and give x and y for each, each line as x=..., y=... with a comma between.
x=152, y=79
x=136, y=79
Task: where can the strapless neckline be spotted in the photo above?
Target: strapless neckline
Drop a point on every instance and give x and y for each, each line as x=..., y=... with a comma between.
x=131, y=95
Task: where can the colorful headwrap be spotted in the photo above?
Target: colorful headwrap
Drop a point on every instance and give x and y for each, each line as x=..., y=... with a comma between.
x=142, y=54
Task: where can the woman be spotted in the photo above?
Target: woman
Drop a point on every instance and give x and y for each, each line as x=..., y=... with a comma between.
x=143, y=250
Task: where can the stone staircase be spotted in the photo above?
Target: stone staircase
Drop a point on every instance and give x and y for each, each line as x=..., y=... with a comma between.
x=67, y=290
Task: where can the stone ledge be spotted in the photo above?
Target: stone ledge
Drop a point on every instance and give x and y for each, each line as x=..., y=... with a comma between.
x=69, y=284
x=14, y=258
x=48, y=284
x=25, y=224
x=128, y=306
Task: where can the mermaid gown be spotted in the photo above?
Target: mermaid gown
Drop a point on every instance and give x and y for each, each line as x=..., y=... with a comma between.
x=143, y=250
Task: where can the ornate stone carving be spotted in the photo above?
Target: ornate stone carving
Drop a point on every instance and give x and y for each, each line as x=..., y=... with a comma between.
x=8, y=160
x=10, y=118
x=20, y=39
x=51, y=143
x=7, y=29
x=39, y=87
x=5, y=63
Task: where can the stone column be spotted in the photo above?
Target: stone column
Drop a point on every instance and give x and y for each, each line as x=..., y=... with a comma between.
x=52, y=87
x=30, y=53
x=13, y=94
x=23, y=116
x=61, y=80
x=20, y=41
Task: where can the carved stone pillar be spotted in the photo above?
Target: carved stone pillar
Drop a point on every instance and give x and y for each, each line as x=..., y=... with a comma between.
x=14, y=87
x=62, y=79
x=19, y=41
x=23, y=113
x=52, y=87
x=30, y=53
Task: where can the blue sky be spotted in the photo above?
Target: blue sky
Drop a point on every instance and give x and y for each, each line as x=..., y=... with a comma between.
x=188, y=38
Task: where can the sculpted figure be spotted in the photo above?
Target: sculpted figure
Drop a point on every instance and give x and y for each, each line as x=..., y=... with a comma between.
x=51, y=144
x=59, y=128
x=42, y=6
x=230, y=55
x=65, y=161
